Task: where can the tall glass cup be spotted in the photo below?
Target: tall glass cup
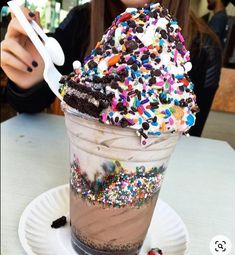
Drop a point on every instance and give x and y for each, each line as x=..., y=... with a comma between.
x=114, y=185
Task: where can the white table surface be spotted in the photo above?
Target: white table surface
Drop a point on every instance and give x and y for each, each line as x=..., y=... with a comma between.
x=199, y=184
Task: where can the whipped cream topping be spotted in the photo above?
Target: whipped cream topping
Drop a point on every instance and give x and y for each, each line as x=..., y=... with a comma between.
x=141, y=65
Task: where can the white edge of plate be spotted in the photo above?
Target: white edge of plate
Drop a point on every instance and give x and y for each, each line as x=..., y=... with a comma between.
x=23, y=219
x=187, y=240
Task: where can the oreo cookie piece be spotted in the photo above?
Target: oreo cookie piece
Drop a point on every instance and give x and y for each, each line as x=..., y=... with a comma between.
x=59, y=222
x=86, y=99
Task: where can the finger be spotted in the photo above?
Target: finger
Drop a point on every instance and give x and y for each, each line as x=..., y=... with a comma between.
x=24, y=80
x=28, y=14
x=13, y=47
x=8, y=59
x=14, y=27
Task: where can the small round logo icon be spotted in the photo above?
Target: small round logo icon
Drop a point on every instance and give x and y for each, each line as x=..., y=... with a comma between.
x=220, y=245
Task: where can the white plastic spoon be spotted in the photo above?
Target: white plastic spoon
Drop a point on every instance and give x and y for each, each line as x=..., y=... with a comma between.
x=51, y=74
x=53, y=47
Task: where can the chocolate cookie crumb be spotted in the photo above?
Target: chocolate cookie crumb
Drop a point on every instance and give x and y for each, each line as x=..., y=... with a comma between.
x=59, y=222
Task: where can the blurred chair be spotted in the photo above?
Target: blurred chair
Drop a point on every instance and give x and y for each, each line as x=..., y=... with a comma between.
x=225, y=96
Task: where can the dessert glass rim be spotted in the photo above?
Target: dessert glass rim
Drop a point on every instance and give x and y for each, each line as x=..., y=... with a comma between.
x=129, y=131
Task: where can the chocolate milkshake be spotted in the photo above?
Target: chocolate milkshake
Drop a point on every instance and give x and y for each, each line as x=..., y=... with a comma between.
x=114, y=185
x=125, y=110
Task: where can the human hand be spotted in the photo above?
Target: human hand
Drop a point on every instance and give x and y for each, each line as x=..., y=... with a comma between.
x=20, y=60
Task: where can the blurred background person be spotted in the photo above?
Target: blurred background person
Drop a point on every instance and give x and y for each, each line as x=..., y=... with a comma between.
x=219, y=21
x=206, y=57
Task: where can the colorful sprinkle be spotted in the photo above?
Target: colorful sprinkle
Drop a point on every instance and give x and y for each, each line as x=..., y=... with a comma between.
x=113, y=60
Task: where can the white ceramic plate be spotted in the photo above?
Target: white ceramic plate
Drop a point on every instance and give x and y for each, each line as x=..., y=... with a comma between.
x=167, y=231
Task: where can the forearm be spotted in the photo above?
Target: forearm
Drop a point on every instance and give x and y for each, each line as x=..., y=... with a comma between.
x=32, y=100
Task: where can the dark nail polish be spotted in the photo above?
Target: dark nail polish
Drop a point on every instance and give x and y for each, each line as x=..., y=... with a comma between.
x=31, y=14
x=34, y=64
x=29, y=69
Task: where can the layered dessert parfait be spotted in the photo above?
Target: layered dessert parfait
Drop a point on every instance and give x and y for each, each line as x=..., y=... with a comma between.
x=114, y=185
x=125, y=109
